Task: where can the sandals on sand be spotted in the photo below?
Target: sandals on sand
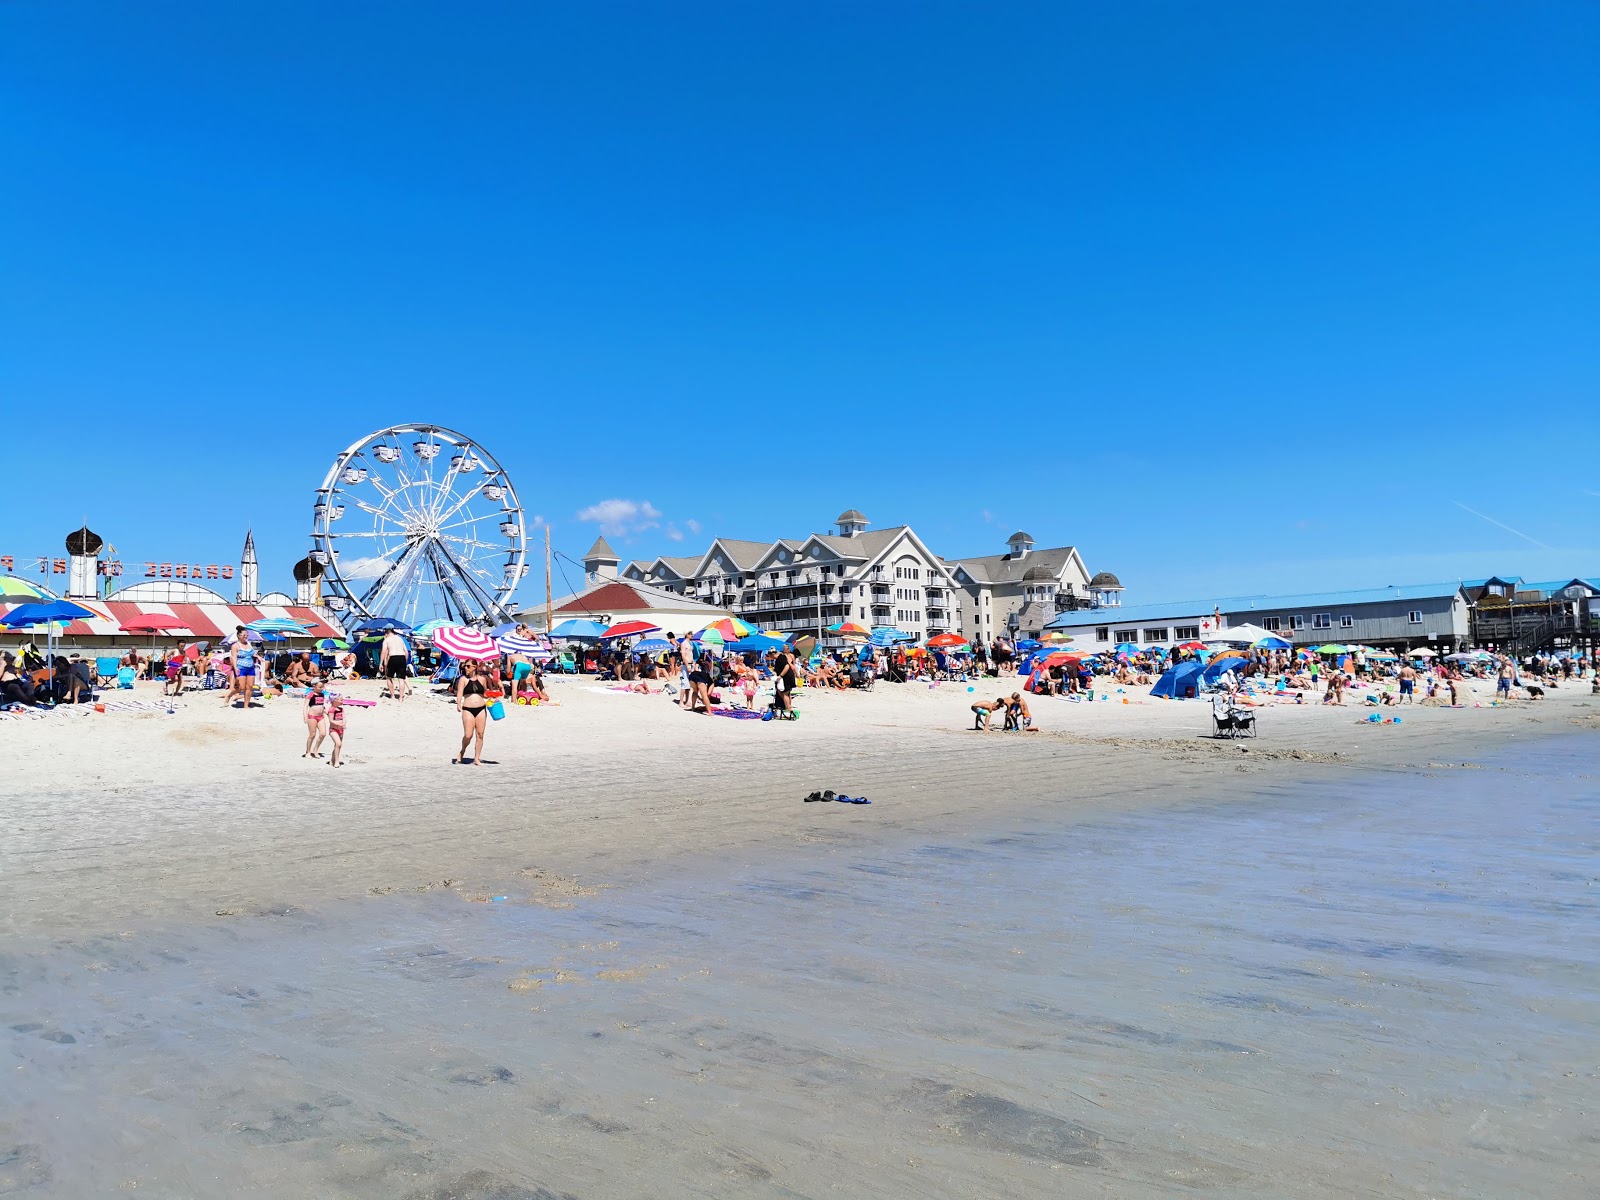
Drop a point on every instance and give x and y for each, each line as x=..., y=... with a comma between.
x=824, y=797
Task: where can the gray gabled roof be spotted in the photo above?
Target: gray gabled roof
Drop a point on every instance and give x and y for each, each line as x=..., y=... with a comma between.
x=1003, y=568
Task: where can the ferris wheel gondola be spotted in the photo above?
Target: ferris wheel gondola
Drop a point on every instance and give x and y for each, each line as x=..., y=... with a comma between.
x=419, y=522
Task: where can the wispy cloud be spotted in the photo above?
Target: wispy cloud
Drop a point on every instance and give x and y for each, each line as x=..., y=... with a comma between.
x=617, y=517
x=692, y=525
x=1503, y=525
x=674, y=533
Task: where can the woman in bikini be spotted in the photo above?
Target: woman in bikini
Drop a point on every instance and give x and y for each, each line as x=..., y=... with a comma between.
x=316, y=719
x=472, y=703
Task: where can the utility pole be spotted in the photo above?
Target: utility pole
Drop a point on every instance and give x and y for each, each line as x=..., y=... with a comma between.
x=548, y=623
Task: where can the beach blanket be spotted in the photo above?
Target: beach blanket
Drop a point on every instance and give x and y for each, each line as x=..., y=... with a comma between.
x=738, y=714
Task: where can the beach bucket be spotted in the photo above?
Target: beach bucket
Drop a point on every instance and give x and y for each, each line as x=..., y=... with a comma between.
x=496, y=710
x=99, y=708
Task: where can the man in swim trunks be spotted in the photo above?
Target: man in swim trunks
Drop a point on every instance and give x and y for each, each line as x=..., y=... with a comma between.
x=393, y=654
x=1408, y=684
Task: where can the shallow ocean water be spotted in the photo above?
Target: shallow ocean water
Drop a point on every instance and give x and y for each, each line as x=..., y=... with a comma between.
x=1375, y=983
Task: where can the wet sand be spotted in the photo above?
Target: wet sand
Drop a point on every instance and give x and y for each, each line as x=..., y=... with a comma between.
x=1077, y=964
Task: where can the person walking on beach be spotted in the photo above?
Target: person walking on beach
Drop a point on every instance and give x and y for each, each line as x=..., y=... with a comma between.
x=1506, y=676
x=315, y=716
x=336, y=731
x=472, y=702
x=393, y=654
x=242, y=658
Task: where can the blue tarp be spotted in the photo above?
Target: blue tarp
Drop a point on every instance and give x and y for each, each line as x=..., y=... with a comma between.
x=1179, y=681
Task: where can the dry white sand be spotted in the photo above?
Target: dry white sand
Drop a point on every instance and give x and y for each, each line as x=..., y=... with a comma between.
x=123, y=818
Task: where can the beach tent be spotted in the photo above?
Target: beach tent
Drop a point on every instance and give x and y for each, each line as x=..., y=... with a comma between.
x=1218, y=667
x=1179, y=681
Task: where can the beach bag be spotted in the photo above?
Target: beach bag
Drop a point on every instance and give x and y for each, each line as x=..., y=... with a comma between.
x=125, y=677
x=496, y=710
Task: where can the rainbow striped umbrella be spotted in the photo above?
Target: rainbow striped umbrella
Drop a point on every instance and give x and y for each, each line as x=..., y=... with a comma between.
x=13, y=588
x=731, y=628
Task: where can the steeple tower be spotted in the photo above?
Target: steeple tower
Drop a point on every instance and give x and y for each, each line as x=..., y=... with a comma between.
x=249, y=572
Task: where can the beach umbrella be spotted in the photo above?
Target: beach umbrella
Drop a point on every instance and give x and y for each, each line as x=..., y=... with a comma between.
x=1191, y=646
x=425, y=630
x=848, y=629
x=888, y=635
x=153, y=623
x=1027, y=644
x=1125, y=648
x=731, y=628
x=380, y=624
x=328, y=644
x=578, y=628
x=803, y=643
x=1057, y=658
x=760, y=643
x=12, y=588
x=513, y=643
x=1272, y=641
x=48, y=613
x=946, y=641
x=631, y=629
x=708, y=637
x=1422, y=652
x=1054, y=637
x=1333, y=648
x=652, y=646
x=462, y=642
x=278, y=625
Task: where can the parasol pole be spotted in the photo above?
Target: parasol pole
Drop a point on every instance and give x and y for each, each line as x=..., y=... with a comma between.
x=549, y=623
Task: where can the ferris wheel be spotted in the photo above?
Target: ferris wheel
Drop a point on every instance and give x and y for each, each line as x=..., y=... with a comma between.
x=419, y=522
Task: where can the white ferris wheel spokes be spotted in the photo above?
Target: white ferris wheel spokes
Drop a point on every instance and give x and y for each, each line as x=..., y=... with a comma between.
x=417, y=522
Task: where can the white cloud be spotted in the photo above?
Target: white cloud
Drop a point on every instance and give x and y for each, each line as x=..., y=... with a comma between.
x=617, y=517
x=675, y=533
x=362, y=568
x=692, y=525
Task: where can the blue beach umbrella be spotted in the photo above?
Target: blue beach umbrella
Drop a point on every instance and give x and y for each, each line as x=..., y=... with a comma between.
x=758, y=642
x=379, y=624
x=576, y=628
x=652, y=646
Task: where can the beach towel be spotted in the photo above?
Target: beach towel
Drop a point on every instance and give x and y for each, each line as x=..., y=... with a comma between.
x=738, y=714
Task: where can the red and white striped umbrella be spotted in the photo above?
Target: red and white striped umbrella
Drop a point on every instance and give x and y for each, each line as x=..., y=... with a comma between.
x=462, y=642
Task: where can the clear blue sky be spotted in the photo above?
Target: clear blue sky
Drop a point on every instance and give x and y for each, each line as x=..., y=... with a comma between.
x=971, y=267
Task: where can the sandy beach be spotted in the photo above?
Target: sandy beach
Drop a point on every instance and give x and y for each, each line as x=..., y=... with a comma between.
x=1114, y=958
x=125, y=817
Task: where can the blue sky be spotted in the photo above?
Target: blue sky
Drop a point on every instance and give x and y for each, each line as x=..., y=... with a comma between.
x=971, y=267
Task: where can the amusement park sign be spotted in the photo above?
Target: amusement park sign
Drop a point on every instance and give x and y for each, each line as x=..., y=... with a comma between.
x=113, y=567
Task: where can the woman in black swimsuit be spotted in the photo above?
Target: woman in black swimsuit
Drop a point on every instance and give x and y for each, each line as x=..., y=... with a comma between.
x=472, y=703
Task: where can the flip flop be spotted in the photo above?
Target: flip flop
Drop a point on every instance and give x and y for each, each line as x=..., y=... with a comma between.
x=852, y=800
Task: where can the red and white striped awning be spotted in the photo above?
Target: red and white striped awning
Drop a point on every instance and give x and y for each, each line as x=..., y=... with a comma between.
x=206, y=622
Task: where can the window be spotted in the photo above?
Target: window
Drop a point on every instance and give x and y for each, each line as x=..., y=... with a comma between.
x=1186, y=633
x=1415, y=616
x=1347, y=622
x=1272, y=623
x=1322, y=621
x=1297, y=622
x=1127, y=635
x=1102, y=633
x=1155, y=635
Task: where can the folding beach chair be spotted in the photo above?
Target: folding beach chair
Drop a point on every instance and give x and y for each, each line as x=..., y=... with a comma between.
x=105, y=670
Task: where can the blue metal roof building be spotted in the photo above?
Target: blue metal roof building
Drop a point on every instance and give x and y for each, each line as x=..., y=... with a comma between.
x=1423, y=614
